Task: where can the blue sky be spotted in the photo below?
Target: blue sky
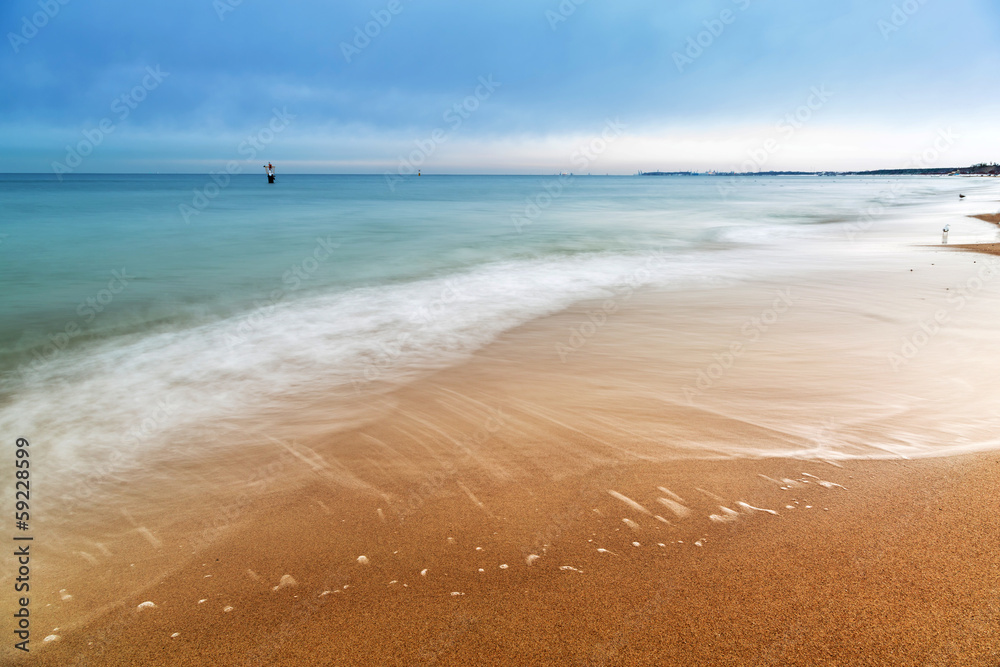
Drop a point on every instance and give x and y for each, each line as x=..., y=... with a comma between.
x=893, y=74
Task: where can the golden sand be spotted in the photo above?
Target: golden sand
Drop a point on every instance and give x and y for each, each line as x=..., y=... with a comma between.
x=526, y=508
x=988, y=248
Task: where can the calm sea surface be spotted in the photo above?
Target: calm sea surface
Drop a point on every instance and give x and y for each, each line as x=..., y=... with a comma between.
x=134, y=306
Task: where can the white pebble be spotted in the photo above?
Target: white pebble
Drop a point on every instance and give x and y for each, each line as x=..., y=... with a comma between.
x=532, y=558
x=51, y=638
x=175, y=635
x=363, y=560
x=423, y=573
x=146, y=605
x=227, y=608
x=504, y=566
x=454, y=593
x=204, y=600
x=636, y=544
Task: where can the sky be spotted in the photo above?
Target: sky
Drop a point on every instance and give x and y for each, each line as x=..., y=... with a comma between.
x=513, y=87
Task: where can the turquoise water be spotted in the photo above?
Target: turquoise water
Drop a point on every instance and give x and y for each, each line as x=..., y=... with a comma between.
x=62, y=241
x=320, y=284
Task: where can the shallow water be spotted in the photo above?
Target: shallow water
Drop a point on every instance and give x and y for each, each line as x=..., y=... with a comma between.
x=327, y=289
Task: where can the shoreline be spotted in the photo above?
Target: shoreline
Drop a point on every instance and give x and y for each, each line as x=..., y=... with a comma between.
x=857, y=577
x=985, y=248
x=766, y=558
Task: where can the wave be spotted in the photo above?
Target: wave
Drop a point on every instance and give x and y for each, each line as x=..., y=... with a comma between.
x=111, y=403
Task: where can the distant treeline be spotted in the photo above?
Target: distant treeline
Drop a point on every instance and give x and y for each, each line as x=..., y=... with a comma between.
x=982, y=169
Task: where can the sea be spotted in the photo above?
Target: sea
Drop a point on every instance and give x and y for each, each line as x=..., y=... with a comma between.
x=138, y=307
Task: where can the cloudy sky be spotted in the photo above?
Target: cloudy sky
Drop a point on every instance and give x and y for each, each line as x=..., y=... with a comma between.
x=710, y=84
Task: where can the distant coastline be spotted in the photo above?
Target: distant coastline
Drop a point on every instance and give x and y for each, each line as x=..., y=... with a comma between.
x=974, y=170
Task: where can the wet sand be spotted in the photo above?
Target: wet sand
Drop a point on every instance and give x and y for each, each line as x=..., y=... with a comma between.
x=897, y=567
x=988, y=248
x=674, y=520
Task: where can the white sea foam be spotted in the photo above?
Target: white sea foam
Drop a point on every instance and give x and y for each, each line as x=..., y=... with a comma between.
x=727, y=516
x=107, y=405
x=680, y=510
x=628, y=501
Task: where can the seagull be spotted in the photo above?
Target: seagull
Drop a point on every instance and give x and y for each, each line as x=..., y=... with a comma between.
x=961, y=196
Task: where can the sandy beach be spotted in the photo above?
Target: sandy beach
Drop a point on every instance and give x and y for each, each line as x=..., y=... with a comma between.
x=878, y=563
x=988, y=248
x=500, y=333
x=593, y=503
